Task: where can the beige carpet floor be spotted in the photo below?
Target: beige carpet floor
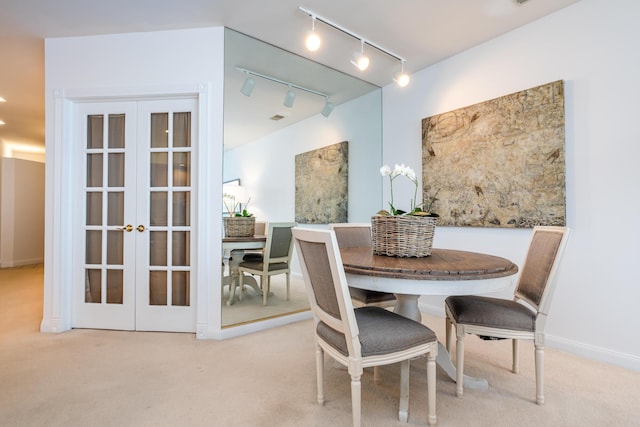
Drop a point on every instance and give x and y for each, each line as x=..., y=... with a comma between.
x=111, y=378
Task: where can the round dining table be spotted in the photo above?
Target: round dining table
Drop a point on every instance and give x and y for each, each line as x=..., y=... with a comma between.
x=445, y=272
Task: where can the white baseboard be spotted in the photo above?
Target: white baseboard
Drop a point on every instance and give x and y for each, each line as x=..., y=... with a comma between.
x=250, y=328
x=52, y=325
x=21, y=262
x=588, y=351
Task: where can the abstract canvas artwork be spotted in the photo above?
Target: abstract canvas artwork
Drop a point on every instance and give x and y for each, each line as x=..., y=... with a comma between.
x=322, y=185
x=499, y=163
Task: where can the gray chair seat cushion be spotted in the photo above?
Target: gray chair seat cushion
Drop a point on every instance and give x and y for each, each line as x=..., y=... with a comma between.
x=253, y=257
x=370, y=297
x=491, y=312
x=381, y=332
x=259, y=265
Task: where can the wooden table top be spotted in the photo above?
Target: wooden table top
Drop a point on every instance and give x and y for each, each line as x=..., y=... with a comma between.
x=442, y=264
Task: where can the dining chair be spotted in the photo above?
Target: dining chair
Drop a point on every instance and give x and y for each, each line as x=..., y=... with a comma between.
x=260, y=229
x=276, y=260
x=350, y=235
x=524, y=317
x=361, y=337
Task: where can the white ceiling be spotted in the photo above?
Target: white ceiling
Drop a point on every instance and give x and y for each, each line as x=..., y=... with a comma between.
x=423, y=32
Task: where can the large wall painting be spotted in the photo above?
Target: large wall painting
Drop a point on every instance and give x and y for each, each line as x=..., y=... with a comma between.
x=322, y=185
x=500, y=163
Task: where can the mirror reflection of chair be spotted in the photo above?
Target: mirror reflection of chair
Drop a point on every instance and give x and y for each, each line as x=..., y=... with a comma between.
x=351, y=235
x=360, y=338
x=236, y=256
x=510, y=319
x=276, y=260
x=260, y=229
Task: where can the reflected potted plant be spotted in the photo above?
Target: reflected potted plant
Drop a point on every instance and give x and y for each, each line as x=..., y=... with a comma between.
x=397, y=232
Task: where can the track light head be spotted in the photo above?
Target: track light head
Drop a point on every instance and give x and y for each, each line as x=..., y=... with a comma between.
x=313, y=40
x=402, y=79
x=328, y=108
x=289, y=98
x=248, y=85
x=359, y=59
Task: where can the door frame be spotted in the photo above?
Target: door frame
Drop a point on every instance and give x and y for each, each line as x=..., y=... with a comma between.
x=62, y=173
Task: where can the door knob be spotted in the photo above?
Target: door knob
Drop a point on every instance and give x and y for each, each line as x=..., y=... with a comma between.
x=140, y=228
x=126, y=228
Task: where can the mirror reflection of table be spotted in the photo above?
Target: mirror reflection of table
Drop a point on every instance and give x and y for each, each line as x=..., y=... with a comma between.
x=445, y=272
x=237, y=246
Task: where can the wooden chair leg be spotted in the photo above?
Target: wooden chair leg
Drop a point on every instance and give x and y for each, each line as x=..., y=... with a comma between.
x=431, y=387
x=376, y=374
x=403, y=411
x=515, y=368
x=539, y=357
x=320, y=374
x=288, y=283
x=264, y=284
x=459, y=363
x=355, y=399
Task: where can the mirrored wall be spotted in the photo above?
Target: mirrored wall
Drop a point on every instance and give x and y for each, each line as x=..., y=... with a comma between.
x=262, y=138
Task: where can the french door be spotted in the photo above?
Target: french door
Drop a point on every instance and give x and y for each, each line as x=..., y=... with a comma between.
x=135, y=218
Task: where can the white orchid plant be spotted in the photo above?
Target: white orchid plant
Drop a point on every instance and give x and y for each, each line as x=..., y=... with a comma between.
x=423, y=209
x=232, y=205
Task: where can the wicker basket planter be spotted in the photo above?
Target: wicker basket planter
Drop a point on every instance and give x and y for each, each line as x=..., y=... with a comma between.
x=239, y=226
x=402, y=236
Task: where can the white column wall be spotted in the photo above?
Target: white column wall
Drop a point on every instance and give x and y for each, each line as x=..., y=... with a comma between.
x=592, y=46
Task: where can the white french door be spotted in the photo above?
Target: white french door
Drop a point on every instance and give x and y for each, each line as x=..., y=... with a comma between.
x=135, y=193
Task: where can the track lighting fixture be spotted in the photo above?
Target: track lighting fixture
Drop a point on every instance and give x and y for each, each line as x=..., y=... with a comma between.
x=248, y=85
x=313, y=40
x=289, y=98
x=328, y=108
x=290, y=95
x=359, y=59
x=402, y=78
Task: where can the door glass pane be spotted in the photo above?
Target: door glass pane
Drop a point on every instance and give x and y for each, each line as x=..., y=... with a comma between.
x=94, y=208
x=115, y=208
x=158, y=248
x=114, y=287
x=94, y=170
x=180, y=288
x=116, y=130
x=181, y=208
x=95, y=130
x=94, y=247
x=181, y=169
x=159, y=130
x=116, y=170
x=158, y=288
x=92, y=285
x=159, y=172
x=115, y=247
x=182, y=129
x=180, y=244
x=158, y=208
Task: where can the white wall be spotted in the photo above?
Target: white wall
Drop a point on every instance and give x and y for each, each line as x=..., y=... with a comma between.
x=22, y=212
x=132, y=65
x=266, y=167
x=593, y=47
